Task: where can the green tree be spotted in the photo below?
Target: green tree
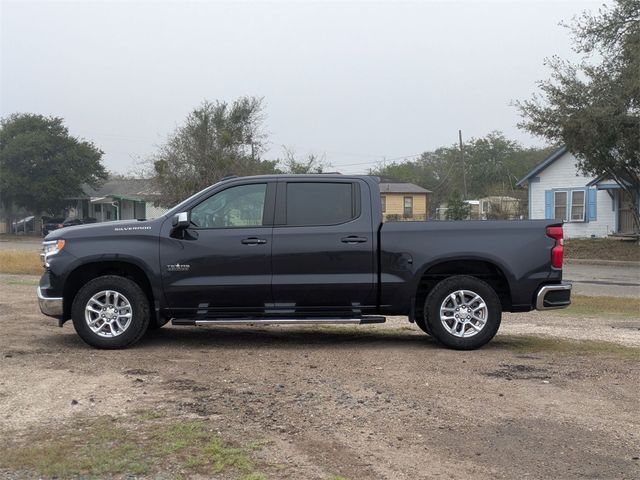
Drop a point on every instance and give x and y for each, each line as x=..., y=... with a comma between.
x=457, y=208
x=42, y=166
x=593, y=106
x=437, y=171
x=311, y=164
x=216, y=140
x=493, y=165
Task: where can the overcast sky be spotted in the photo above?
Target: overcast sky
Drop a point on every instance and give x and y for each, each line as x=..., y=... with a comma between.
x=357, y=81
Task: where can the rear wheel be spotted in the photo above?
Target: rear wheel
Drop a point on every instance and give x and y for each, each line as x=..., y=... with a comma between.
x=110, y=312
x=463, y=312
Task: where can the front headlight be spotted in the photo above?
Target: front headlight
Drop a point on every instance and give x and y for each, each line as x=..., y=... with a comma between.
x=50, y=248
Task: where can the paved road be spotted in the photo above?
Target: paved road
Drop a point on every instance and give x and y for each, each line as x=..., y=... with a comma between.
x=592, y=280
x=607, y=280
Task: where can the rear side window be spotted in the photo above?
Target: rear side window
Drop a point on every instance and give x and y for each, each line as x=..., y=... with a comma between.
x=321, y=203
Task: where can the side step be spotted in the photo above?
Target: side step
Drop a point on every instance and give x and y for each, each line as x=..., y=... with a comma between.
x=280, y=321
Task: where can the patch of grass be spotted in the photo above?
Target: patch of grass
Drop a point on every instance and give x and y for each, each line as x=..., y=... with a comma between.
x=531, y=344
x=602, y=306
x=602, y=249
x=177, y=437
x=149, y=414
x=102, y=448
x=108, y=446
x=197, y=448
x=223, y=457
x=32, y=283
x=20, y=262
x=254, y=476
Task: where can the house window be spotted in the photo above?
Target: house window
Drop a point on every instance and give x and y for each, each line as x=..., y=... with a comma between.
x=384, y=203
x=577, y=206
x=560, y=205
x=408, y=207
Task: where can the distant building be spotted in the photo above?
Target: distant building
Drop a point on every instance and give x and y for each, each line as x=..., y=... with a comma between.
x=499, y=207
x=118, y=199
x=403, y=201
x=493, y=207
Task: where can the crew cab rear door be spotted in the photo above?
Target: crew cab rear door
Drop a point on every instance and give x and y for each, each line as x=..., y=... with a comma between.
x=221, y=265
x=323, y=245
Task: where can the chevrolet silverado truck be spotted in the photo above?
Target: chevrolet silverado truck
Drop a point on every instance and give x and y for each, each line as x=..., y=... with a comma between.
x=302, y=249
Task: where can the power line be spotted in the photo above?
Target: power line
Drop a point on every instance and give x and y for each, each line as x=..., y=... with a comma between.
x=384, y=159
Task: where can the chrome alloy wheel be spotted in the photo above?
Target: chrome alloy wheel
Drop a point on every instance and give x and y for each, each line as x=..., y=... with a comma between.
x=463, y=313
x=108, y=313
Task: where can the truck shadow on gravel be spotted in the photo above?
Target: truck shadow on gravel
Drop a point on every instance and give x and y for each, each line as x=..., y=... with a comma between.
x=247, y=337
x=347, y=339
x=285, y=337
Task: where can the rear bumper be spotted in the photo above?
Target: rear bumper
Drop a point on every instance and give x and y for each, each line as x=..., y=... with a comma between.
x=51, y=306
x=553, y=296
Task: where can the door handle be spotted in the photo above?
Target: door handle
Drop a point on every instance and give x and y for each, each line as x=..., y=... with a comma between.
x=353, y=239
x=253, y=241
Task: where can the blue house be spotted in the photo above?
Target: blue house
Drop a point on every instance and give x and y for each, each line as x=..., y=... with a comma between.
x=589, y=206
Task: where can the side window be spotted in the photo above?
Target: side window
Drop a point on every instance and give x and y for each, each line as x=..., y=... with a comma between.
x=241, y=206
x=408, y=206
x=321, y=203
x=560, y=205
x=577, y=206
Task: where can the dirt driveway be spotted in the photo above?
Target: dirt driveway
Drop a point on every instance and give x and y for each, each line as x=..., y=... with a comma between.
x=329, y=403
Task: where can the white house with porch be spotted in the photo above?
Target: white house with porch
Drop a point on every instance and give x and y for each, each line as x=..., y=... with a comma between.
x=589, y=206
x=118, y=199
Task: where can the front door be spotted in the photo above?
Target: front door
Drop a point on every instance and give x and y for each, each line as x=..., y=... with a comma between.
x=323, y=246
x=626, y=222
x=221, y=265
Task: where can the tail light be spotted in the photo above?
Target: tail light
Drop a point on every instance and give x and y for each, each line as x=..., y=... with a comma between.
x=557, y=252
x=60, y=225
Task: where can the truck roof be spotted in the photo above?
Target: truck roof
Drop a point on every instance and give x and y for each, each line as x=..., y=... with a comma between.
x=301, y=175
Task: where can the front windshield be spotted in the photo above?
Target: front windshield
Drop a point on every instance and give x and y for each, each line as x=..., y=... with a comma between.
x=178, y=208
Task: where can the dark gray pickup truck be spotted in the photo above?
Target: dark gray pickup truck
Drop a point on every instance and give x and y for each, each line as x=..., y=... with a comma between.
x=298, y=249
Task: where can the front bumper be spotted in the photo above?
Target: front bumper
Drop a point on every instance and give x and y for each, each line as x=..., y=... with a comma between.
x=553, y=296
x=51, y=306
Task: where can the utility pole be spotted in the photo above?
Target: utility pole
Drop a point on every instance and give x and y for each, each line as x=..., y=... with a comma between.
x=464, y=173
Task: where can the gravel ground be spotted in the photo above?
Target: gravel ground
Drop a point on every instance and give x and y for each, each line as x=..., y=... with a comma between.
x=381, y=402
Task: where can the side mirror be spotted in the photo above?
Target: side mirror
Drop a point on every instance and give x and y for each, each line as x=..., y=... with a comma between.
x=181, y=220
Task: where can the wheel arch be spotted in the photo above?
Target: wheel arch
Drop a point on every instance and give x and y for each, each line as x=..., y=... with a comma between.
x=93, y=269
x=481, y=268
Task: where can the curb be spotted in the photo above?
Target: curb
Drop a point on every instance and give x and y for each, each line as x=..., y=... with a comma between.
x=612, y=263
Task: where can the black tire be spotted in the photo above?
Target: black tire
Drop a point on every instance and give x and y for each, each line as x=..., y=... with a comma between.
x=442, y=292
x=139, y=312
x=422, y=324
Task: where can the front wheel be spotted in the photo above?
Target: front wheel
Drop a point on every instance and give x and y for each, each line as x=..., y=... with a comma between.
x=110, y=312
x=463, y=312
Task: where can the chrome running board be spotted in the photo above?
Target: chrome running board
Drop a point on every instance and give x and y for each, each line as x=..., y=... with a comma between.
x=280, y=321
